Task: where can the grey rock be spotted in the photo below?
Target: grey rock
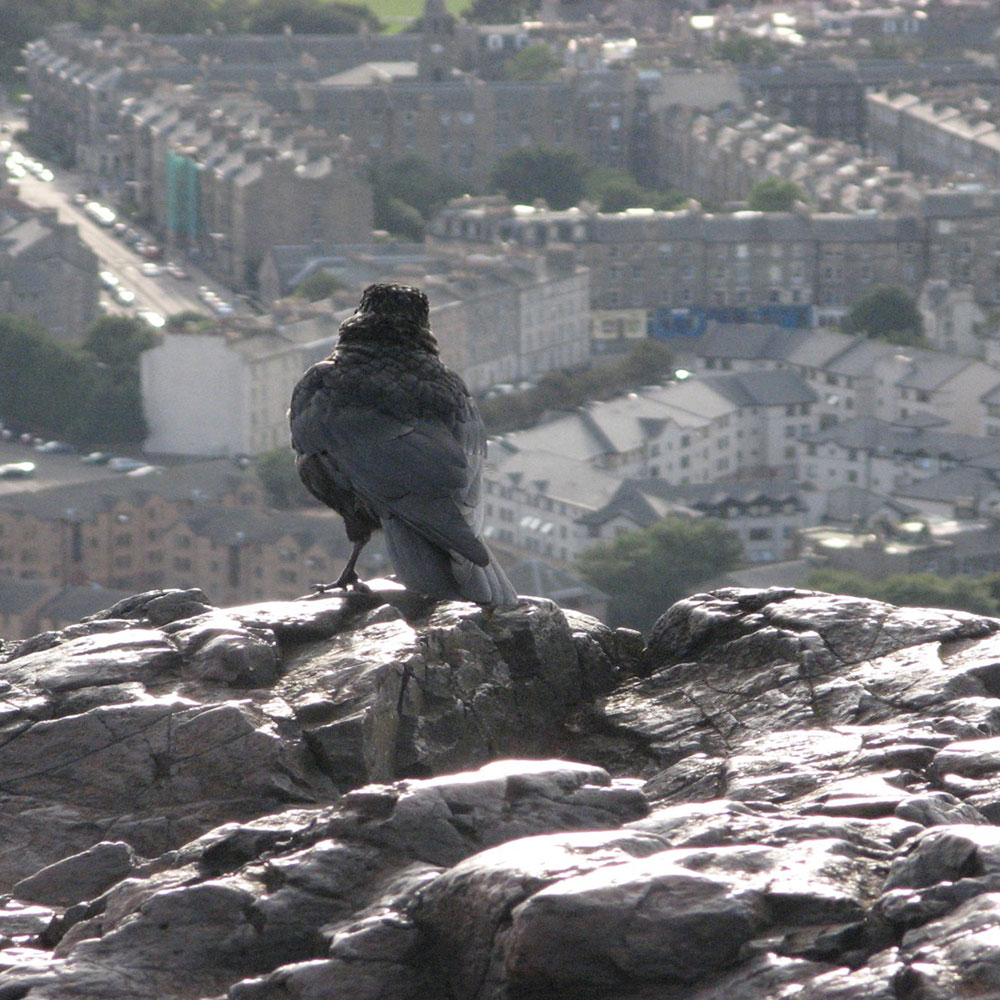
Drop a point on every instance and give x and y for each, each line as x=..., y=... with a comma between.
x=945, y=854
x=645, y=920
x=80, y=876
x=956, y=955
x=374, y=796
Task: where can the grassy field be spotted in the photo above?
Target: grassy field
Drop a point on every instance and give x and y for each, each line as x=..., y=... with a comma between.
x=396, y=14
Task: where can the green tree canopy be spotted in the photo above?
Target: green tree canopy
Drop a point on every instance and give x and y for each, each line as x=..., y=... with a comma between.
x=773, y=194
x=887, y=312
x=746, y=50
x=501, y=11
x=979, y=595
x=647, y=361
x=65, y=392
x=117, y=341
x=407, y=192
x=277, y=474
x=532, y=64
x=615, y=190
x=311, y=17
x=318, y=285
x=646, y=571
x=540, y=172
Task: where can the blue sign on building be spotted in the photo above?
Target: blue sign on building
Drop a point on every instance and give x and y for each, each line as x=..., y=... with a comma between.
x=665, y=322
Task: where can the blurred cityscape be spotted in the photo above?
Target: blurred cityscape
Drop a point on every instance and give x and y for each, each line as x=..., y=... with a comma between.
x=733, y=184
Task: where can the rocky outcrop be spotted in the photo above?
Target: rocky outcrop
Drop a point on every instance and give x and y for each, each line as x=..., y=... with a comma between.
x=370, y=797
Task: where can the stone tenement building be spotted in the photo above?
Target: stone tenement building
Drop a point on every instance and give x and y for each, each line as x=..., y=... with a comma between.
x=678, y=265
x=47, y=272
x=202, y=525
x=232, y=181
x=943, y=140
x=719, y=156
x=420, y=103
x=796, y=268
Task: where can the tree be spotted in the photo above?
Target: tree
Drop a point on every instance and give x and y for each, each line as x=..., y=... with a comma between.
x=318, y=285
x=534, y=63
x=66, y=392
x=647, y=361
x=775, y=195
x=276, y=472
x=117, y=341
x=540, y=172
x=887, y=312
x=614, y=190
x=647, y=570
x=315, y=17
x=745, y=50
x=407, y=192
x=979, y=595
x=501, y=11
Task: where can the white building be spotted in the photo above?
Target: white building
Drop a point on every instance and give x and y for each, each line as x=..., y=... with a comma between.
x=225, y=391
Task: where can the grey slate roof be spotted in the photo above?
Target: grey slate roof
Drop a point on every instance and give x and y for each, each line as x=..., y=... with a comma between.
x=755, y=341
x=886, y=439
x=637, y=499
x=962, y=481
x=762, y=388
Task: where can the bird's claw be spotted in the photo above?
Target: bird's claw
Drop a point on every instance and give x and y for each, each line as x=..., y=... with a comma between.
x=351, y=583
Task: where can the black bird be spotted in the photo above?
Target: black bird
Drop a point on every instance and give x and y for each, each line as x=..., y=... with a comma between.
x=389, y=437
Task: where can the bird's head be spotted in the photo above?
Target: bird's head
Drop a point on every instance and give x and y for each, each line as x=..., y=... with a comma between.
x=393, y=312
x=402, y=301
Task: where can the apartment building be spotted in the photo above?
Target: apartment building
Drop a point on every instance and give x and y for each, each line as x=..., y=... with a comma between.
x=937, y=138
x=858, y=377
x=47, y=273
x=765, y=515
x=231, y=180
x=887, y=457
x=542, y=485
x=203, y=525
x=224, y=391
x=798, y=267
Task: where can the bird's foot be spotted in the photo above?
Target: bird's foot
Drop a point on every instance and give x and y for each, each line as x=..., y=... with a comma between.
x=346, y=581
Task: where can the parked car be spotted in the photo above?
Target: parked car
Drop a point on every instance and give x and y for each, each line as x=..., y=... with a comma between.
x=97, y=458
x=107, y=279
x=178, y=272
x=154, y=319
x=124, y=296
x=123, y=464
x=17, y=470
x=55, y=448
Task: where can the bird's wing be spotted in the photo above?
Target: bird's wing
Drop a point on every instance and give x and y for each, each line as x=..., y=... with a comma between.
x=416, y=470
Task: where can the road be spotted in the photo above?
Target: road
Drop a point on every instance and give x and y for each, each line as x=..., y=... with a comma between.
x=164, y=294
x=50, y=470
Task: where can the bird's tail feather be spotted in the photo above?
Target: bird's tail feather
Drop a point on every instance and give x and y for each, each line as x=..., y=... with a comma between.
x=426, y=568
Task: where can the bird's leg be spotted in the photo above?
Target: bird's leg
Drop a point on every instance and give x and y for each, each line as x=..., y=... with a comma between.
x=348, y=579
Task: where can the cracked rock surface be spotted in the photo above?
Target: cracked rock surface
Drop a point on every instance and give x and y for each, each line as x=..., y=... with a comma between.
x=783, y=794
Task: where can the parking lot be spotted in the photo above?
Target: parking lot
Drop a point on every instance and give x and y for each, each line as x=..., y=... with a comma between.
x=50, y=470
